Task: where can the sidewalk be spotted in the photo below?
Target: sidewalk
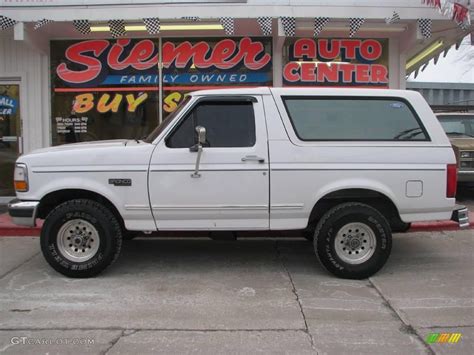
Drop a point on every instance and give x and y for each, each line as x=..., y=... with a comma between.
x=8, y=229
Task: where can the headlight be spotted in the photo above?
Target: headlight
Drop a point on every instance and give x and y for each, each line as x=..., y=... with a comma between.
x=465, y=154
x=20, y=178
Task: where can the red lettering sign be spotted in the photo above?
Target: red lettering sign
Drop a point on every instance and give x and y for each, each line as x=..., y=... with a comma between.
x=336, y=61
x=226, y=54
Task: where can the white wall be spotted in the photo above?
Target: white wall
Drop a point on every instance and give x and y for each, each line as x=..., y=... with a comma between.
x=18, y=61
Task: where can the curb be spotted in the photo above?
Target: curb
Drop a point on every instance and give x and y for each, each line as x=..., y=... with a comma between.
x=8, y=229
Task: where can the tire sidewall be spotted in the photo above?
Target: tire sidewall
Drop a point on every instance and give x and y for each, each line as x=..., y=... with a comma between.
x=95, y=215
x=325, y=242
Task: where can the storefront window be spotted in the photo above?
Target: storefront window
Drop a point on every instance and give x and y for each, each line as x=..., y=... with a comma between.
x=336, y=62
x=213, y=63
x=107, y=89
x=104, y=89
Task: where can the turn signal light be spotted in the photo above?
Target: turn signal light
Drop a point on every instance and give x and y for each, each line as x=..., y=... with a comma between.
x=451, y=180
x=21, y=186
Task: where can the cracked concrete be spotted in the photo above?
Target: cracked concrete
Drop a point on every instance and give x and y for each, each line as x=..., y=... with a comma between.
x=249, y=296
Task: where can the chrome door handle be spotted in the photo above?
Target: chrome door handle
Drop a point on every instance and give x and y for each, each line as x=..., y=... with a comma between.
x=253, y=158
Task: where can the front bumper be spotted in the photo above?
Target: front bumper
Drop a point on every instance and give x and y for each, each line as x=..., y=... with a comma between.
x=23, y=213
x=461, y=216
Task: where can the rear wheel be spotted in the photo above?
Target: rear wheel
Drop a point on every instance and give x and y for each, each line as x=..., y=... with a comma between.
x=80, y=238
x=353, y=240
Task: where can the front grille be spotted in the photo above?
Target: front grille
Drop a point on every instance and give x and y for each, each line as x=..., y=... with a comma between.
x=466, y=160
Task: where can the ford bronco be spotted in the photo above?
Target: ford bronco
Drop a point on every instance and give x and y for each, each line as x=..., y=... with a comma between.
x=347, y=166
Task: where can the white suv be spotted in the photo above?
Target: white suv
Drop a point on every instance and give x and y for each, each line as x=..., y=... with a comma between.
x=345, y=165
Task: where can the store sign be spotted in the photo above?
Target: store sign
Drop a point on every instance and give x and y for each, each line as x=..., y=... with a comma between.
x=8, y=105
x=127, y=62
x=337, y=62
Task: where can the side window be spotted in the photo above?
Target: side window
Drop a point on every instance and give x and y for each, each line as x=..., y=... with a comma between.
x=228, y=124
x=353, y=119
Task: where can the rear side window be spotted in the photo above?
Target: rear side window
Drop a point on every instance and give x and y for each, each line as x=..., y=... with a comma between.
x=354, y=119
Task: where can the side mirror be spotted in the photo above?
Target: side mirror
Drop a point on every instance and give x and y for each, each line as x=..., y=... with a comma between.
x=201, y=133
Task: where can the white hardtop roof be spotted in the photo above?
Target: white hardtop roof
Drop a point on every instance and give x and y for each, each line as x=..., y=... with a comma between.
x=307, y=91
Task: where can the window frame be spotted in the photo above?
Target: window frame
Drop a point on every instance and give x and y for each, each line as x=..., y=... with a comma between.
x=354, y=98
x=216, y=98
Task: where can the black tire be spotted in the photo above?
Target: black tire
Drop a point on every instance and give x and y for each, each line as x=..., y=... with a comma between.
x=96, y=215
x=338, y=218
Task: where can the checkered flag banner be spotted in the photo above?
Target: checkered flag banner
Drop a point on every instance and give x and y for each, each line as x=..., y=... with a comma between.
x=228, y=24
x=6, y=22
x=152, y=25
x=265, y=24
x=393, y=19
x=191, y=18
x=424, y=24
x=319, y=23
x=42, y=23
x=117, y=28
x=355, y=23
x=289, y=26
x=433, y=3
x=82, y=26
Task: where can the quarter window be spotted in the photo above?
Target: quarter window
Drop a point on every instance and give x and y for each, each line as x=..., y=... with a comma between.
x=228, y=124
x=354, y=119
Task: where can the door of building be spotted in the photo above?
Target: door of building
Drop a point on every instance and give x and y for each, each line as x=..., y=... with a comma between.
x=10, y=134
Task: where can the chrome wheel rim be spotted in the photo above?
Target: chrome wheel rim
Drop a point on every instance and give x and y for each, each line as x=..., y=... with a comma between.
x=78, y=240
x=355, y=243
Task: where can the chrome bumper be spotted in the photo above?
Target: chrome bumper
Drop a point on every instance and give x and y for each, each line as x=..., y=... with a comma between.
x=461, y=216
x=23, y=213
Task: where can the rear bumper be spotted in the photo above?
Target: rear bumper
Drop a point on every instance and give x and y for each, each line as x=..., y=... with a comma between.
x=461, y=216
x=23, y=213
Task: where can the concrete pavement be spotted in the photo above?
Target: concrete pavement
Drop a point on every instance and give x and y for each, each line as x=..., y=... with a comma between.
x=249, y=296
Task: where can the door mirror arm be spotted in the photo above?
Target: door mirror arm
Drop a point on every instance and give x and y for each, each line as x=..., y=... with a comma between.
x=201, y=133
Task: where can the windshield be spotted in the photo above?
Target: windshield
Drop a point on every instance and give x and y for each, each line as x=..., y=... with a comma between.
x=458, y=125
x=157, y=131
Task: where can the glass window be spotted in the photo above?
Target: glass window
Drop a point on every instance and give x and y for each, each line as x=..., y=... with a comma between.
x=104, y=89
x=228, y=124
x=360, y=62
x=204, y=63
x=353, y=119
x=458, y=125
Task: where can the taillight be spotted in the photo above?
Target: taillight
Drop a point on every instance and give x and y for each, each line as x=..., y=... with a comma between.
x=451, y=180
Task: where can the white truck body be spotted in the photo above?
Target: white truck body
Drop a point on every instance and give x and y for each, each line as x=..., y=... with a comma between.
x=353, y=192
x=236, y=195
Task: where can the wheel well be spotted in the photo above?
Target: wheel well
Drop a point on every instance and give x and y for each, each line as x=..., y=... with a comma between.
x=53, y=199
x=375, y=199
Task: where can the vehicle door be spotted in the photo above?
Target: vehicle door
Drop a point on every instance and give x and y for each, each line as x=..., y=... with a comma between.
x=224, y=185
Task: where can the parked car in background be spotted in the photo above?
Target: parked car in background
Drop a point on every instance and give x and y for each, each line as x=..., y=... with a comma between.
x=460, y=129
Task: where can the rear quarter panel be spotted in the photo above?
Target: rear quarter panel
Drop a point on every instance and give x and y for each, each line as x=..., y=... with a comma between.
x=303, y=172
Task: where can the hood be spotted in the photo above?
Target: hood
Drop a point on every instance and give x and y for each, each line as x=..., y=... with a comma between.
x=84, y=145
x=87, y=155
x=463, y=143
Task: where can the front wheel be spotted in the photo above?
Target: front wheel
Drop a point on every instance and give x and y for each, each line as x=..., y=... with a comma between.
x=80, y=238
x=353, y=241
